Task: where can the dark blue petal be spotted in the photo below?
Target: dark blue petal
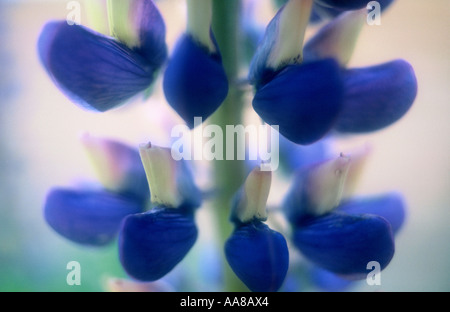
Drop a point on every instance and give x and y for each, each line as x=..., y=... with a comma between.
x=377, y=96
x=303, y=100
x=389, y=206
x=93, y=70
x=344, y=244
x=88, y=217
x=152, y=32
x=151, y=244
x=258, y=256
x=195, y=83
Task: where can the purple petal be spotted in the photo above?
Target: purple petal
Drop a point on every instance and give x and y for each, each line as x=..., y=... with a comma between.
x=377, y=96
x=88, y=217
x=93, y=70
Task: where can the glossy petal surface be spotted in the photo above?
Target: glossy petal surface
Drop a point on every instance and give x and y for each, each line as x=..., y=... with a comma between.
x=88, y=217
x=195, y=83
x=344, y=244
x=259, y=256
x=377, y=96
x=93, y=70
x=304, y=101
x=151, y=244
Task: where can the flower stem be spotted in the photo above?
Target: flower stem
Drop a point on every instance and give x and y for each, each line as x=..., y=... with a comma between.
x=229, y=174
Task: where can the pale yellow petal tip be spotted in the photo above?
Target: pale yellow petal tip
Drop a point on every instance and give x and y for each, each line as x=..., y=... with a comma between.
x=292, y=24
x=359, y=161
x=199, y=18
x=326, y=183
x=252, y=204
x=161, y=170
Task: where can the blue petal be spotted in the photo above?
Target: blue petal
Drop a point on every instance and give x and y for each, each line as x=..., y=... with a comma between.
x=377, y=96
x=195, y=83
x=345, y=244
x=88, y=217
x=151, y=244
x=390, y=206
x=93, y=70
x=303, y=100
x=258, y=256
x=152, y=32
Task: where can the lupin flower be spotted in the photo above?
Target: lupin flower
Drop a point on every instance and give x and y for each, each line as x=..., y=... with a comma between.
x=195, y=83
x=341, y=236
x=258, y=255
x=101, y=72
x=294, y=96
x=93, y=216
x=152, y=243
x=375, y=96
x=291, y=90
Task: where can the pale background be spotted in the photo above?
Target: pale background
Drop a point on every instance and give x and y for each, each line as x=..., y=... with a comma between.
x=39, y=148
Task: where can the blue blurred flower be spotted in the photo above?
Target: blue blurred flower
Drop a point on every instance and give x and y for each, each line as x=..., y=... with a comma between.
x=341, y=236
x=93, y=216
x=307, y=91
x=258, y=255
x=152, y=243
x=101, y=72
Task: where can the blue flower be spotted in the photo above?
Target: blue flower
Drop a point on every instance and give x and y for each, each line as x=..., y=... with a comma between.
x=101, y=72
x=258, y=255
x=195, y=83
x=341, y=236
x=93, y=216
x=307, y=91
x=152, y=243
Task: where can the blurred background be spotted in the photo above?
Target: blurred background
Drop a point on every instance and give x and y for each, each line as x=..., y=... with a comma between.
x=40, y=148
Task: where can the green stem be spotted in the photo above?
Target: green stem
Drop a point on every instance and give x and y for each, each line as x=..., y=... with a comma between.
x=229, y=174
